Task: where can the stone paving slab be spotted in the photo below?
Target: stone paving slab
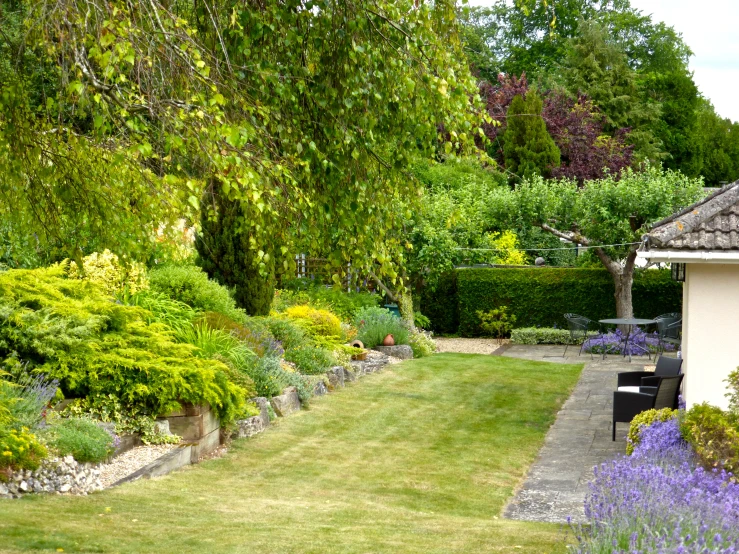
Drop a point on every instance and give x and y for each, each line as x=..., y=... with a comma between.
x=580, y=438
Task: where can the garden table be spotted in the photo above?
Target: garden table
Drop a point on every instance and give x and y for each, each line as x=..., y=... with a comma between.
x=629, y=322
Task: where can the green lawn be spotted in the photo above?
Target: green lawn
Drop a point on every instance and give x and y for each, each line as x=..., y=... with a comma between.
x=418, y=459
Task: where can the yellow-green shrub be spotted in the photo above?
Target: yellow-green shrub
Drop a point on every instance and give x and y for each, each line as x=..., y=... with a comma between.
x=20, y=450
x=106, y=270
x=70, y=330
x=645, y=419
x=318, y=322
x=714, y=435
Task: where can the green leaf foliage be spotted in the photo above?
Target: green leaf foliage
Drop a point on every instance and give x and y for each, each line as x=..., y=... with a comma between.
x=714, y=435
x=69, y=330
x=541, y=296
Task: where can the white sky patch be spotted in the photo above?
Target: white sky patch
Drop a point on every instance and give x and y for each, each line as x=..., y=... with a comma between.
x=709, y=29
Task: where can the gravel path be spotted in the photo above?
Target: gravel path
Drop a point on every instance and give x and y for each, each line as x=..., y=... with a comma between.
x=466, y=346
x=131, y=461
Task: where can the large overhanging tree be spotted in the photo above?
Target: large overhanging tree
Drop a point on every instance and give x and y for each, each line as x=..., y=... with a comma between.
x=114, y=115
x=608, y=215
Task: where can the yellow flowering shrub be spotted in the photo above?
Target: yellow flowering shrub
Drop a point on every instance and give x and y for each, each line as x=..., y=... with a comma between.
x=105, y=269
x=506, y=245
x=319, y=322
x=21, y=450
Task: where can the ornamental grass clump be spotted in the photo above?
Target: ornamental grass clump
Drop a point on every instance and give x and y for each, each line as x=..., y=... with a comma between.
x=660, y=500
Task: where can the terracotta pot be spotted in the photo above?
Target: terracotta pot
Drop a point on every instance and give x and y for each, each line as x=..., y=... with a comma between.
x=388, y=341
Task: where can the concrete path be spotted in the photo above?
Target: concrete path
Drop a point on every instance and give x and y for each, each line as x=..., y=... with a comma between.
x=579, y=440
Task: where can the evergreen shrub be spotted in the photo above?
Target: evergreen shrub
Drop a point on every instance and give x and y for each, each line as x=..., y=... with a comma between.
x=714, y=435
x=190, y=284
x=440, y=304
x=71, y=331
x=540, y=335
x=539, y=297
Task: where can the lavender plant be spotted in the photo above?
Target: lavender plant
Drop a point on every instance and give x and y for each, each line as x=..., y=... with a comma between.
x=27, y=398
x=658, y=500
x=613, y=343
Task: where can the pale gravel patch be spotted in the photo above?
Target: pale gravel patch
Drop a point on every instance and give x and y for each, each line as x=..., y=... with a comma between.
x=466, y=346
x=131, y=461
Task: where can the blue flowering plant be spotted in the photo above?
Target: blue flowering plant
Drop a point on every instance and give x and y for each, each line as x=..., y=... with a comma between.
x=639, y=343
x=660, y=500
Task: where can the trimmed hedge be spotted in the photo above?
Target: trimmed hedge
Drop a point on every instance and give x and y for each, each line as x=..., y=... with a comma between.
x=440, y=305
x=540, y=296
x=540, y=335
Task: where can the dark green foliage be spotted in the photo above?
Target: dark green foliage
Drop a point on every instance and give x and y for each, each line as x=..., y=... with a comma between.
x=527, y=146
x=227, y=253
x=717, y=140
x=440, y=305
x=70, y=330
x=596, y=65
x=288, y=332
x=81, y=438
x=541, y=296
x=189, y=284
x=676, y=127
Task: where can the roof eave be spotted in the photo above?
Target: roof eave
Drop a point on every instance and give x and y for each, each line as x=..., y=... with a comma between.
x=693, y=256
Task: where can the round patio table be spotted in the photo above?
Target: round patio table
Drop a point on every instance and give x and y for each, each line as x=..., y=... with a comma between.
x=630, y=322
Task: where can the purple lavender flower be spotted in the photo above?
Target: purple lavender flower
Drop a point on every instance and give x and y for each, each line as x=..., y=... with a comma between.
x=658, y=500
x=613, y=343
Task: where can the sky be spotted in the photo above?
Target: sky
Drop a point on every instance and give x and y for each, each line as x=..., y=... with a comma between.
x=709, y=27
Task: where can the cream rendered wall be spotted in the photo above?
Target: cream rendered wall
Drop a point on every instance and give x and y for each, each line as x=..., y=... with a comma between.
x=710, y=330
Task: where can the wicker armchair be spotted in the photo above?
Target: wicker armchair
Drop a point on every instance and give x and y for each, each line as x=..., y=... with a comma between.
x=666, y=367
x=626, y=405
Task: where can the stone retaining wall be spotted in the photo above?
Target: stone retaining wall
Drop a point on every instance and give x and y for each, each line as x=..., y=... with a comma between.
x=55, y=475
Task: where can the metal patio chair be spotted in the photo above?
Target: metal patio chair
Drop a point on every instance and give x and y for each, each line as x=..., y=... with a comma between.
x=579, y=327
x=669, y=327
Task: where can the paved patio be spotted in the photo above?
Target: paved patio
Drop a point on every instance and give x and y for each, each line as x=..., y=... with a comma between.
x=579, y=440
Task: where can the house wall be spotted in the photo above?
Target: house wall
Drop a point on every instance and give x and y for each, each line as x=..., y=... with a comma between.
x=710, y=331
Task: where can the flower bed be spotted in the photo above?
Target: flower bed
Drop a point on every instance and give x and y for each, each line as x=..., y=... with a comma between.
x=613, y=343
x=661, y=499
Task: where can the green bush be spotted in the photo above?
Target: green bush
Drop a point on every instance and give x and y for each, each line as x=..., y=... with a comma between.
x=20, y=449
x=374, y=324
x=289, y=333
x=305, y=291
x=540, y=335
x=440, y=304
x=539, y=297
x=643, y=420
x=190, y=284
x=69, y=330
x=714, y=436
x=496, y=323
x=310, y=360
x=421, y=344
x=81, y=438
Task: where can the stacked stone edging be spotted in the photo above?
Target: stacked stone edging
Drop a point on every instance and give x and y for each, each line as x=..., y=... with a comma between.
x=55, y=475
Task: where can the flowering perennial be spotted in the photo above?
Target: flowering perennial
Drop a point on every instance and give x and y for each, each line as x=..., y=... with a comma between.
x=658, y=500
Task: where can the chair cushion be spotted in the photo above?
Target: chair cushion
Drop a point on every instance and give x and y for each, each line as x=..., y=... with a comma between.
x=629, y=389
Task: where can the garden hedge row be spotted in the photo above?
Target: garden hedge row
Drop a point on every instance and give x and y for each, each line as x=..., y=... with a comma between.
x=539, y=296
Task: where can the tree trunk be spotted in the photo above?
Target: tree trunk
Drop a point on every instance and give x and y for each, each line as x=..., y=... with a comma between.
x=623, y=282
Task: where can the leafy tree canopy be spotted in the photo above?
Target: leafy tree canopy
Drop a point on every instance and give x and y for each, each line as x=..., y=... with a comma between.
x=603, y=212
x=114, y=114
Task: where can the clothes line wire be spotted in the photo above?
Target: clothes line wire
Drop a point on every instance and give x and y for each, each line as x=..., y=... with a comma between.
x=579, y=247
